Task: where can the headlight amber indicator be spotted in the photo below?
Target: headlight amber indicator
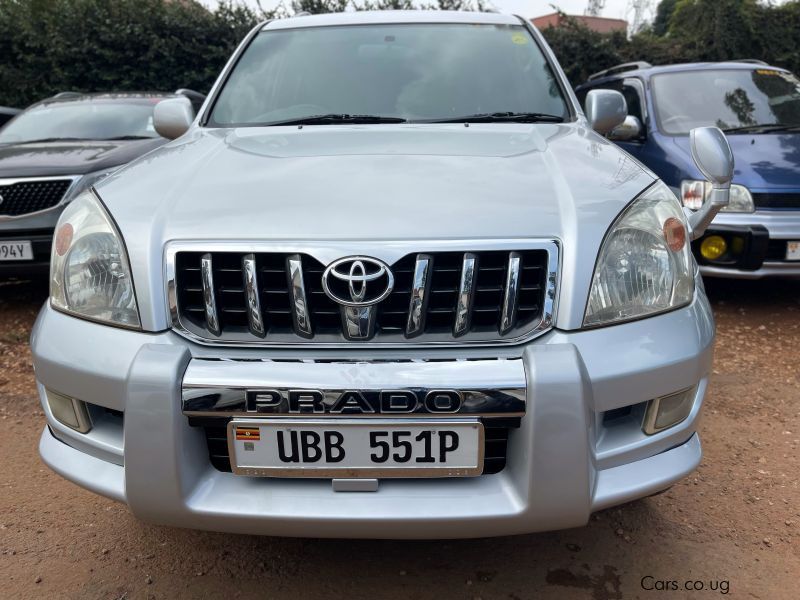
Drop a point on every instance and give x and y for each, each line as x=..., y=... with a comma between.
x=674, y=234
x=64, y=237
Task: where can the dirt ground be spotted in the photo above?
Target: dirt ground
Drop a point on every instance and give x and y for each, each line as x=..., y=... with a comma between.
x=732, y=528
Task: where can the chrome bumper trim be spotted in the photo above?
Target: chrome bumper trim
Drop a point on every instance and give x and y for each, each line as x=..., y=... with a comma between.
x=458, y=388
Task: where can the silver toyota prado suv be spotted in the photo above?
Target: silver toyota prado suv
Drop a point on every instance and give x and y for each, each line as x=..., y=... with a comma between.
x=392, y=281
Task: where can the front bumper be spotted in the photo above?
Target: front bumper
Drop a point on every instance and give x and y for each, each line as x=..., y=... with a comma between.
x=563, y=463
x=765, y=234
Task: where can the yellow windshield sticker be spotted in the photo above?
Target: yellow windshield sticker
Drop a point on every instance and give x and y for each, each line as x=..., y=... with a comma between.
x=519, y=38
x=768, y=72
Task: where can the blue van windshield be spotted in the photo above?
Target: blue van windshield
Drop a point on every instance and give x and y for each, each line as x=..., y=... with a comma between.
x=731, y=99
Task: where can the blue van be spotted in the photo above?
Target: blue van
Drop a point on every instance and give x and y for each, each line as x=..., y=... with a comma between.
x=758, y=107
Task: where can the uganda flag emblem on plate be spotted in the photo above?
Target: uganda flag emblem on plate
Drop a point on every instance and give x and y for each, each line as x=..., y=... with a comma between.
x=248, y=434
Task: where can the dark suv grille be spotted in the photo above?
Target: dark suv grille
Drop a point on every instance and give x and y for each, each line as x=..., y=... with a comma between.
x=494, y=454
x=23, y=197
x=215, y=302
x=777, y=200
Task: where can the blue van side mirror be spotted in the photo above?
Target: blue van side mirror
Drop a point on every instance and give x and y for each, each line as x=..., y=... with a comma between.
x=712, y=155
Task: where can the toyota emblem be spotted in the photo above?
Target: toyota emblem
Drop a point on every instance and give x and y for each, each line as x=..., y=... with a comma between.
x=357, y=281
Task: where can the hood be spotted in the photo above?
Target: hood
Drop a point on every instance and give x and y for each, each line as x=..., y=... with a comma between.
x=70, y=157
x=377, y=182
x=346, y=184
x=765, y=161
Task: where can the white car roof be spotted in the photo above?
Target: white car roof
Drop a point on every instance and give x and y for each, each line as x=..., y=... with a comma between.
x=393, y=16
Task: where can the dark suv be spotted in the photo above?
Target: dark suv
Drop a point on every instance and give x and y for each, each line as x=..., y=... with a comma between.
x=54, y=150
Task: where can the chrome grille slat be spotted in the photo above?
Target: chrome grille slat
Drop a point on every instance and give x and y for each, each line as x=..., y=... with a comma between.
x=297, y=289
x=419, y=296
x=249, y=294
x=209, y=296
x=255, y=319
x=511, y=293
x=466, y=295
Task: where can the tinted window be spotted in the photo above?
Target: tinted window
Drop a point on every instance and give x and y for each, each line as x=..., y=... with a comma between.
x=424, y=71
x=727, y=98
x=84, y=120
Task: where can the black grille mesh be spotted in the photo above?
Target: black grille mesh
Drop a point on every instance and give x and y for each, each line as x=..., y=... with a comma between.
x=25, y=197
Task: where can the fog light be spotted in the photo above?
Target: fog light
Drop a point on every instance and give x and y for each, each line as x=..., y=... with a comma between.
x=713, y=247
x=69, y=411
x=667, y=411
x=737, y=245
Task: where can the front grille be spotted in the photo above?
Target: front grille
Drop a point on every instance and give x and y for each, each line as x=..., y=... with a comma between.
x=777, y=200
x=494, y=454
x=22, y=197
x=243, y=297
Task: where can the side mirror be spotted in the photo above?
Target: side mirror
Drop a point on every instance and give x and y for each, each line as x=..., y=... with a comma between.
x=605, y=109
x=712, y=155
x=631, y=129
x=173, y=117
x=196, y=98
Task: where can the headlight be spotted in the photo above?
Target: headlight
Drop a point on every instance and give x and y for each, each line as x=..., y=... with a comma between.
x=89, y=272
x=645, y=264
x=86, y=182
x=695, y=193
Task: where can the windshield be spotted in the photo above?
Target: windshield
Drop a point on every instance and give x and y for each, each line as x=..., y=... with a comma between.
x=85, y=120
x=413, y=72
x=726, y=98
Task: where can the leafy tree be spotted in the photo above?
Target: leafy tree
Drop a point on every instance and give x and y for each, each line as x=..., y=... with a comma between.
x=717, y=29
x=582, y=51
x=663, y=15
x=317, y=7
x=699, y=30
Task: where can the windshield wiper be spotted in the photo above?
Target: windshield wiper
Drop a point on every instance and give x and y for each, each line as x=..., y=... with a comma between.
x=762, y=127
x=120, y=138
x=50, y=139
x=336, y=118
x=501, y=117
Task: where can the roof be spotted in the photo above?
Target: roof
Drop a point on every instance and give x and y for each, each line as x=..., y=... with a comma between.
x=382, y=17
x=599, y=24
x=647, y=72
x=106, y=97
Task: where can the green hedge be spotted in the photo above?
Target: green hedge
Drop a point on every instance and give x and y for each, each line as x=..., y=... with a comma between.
x=47, y=46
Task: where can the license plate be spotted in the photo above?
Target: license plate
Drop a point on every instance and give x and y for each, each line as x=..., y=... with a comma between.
x=793, y=250
x=16, y=250
x=350, y=448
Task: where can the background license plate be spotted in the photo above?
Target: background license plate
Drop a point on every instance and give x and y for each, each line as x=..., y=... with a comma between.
x=356, y=448
x=793, y=250
x=16, y=250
